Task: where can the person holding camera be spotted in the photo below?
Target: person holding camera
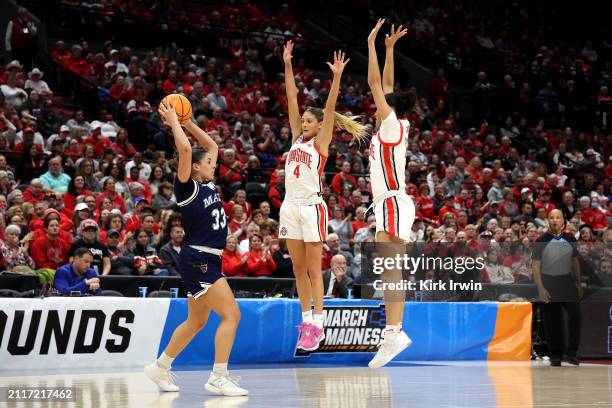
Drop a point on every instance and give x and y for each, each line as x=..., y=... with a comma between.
x=78, y=276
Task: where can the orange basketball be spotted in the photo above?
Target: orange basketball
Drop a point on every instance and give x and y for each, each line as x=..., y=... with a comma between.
x=181, y=105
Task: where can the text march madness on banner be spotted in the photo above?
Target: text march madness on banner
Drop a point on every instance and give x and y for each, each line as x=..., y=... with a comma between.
x=350, y=329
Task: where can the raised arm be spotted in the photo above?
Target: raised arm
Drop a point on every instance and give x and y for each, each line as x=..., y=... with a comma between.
x=324, y=137
x=295, y=120
x=204, y=140
x=388, y=70
x=374, y=80
x=183, y=147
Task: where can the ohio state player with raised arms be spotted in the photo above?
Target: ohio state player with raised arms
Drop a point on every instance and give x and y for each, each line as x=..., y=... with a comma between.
x=393, y=208
x=303, y=214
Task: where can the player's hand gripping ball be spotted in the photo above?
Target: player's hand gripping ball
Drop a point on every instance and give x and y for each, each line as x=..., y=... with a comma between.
x=182, y=106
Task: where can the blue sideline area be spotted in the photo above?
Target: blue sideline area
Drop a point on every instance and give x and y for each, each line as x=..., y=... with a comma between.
x=267, y=332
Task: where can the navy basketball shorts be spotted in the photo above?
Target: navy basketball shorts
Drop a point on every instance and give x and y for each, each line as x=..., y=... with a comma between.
x=199, y=270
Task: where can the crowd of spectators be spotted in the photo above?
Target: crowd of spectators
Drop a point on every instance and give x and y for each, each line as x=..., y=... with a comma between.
x=519, y=57
x=72, y=179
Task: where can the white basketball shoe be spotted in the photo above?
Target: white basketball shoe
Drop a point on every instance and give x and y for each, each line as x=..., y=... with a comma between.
x=224, y=385
x=390, y=347
x=164, y=378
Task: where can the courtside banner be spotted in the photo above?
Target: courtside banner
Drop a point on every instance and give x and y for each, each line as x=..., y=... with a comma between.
x=62, y=332
x=350, y=329
x=440, y=331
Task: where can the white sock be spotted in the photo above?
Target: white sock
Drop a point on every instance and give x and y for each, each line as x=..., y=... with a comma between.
x=318, y=320
x=165, y=361
x=391, y=330
x=220, y=369
x=307, y=316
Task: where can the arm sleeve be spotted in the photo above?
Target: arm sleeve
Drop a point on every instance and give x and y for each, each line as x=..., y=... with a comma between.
x=391, y=130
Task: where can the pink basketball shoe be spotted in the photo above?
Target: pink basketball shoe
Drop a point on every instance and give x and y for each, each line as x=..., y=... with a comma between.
x=311, y=336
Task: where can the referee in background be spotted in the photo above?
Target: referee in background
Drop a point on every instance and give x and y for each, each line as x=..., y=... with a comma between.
x=556, y=271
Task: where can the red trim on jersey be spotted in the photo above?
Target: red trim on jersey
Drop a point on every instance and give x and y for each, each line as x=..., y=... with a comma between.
x=390, y=143
x=322, y=223
x=314, y=144
x=388, y=167
x=322, y=164
x=391, y=216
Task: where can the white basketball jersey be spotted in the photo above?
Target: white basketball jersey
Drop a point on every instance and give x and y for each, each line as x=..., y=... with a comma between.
x=388, y=160
x=303, y=170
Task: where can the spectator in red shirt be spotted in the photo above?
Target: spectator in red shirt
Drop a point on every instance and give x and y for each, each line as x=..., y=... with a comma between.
x=60, y=54
x=260, y=262
x=592, y=217
x=232, y=262
x=76, y=187
x=35, y=192
x=217, y=123
x=42, y=212
x=97, y=140
x=544, y=201
x=424, y=203
x=475, y=171
x=360, y=220
x=276, y=194
x=49, y=251
x=108, y=190
x=77, y=64
x=28, y=141
x=344, y=177
x=119, y=90
x=240, y=198
x=170, y=83
x=239, y=222
x=229, y=171
x=122, y=146
x=449, y=207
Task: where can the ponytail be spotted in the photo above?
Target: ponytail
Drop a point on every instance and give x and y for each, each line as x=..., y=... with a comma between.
x=350, y=124
x=347, y=123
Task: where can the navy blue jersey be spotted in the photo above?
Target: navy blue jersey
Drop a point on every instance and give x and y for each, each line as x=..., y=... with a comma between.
x=204, y=219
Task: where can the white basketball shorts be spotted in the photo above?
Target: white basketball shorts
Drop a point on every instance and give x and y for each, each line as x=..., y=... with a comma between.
x=306, y=223
x=395, y=215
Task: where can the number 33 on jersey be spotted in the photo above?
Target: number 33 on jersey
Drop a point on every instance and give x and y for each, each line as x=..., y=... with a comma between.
x=204, y=219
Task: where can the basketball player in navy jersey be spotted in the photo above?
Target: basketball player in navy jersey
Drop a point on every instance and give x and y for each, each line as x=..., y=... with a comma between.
x=200, y=259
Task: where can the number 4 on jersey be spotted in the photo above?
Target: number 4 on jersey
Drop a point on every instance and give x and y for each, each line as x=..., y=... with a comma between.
x=297, y=171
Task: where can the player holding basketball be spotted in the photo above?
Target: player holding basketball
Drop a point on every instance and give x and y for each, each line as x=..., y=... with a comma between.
x=200, y=259
x=394, y=210
x=303, y=214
